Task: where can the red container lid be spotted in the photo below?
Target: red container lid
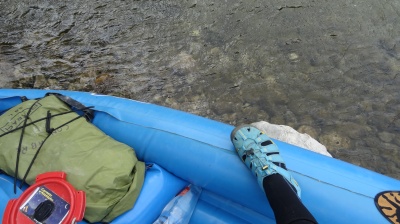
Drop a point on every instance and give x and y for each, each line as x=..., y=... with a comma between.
x=51, y=199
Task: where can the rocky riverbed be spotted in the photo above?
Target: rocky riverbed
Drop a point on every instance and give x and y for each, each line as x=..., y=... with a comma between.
x=327, y=68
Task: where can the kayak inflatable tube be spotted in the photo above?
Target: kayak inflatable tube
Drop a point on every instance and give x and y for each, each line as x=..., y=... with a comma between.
x=198, y=150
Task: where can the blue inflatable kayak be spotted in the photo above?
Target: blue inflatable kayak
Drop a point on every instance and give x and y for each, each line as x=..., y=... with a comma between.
x=185, y=149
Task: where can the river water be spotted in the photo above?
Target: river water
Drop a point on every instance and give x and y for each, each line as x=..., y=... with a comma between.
x=327, y=68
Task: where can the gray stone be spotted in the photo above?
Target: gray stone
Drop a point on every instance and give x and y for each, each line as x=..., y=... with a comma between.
x=334, y=140
x=386, y=136
x=305, y=129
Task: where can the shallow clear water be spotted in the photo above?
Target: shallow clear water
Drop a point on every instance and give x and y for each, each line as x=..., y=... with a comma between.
x=330, y=69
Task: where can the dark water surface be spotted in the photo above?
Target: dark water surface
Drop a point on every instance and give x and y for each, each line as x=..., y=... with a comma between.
x=327, y=68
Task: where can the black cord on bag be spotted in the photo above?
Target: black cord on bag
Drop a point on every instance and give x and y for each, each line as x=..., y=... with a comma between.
x=87, y=113
x=20, y=145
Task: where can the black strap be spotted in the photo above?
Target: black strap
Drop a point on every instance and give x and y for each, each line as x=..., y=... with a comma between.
x=35, y=121
x=20, y=145
x=49, y=131
x=88, y=113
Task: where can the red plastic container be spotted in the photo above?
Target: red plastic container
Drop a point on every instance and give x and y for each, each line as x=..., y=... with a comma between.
x=50, y=199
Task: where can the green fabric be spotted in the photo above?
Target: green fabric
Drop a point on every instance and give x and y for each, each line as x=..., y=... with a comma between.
x=108, y=171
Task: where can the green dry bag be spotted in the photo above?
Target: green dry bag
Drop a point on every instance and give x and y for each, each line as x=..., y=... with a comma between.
x=44, y=135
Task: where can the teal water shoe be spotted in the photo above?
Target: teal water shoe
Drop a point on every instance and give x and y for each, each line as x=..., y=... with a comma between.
x=261, y=155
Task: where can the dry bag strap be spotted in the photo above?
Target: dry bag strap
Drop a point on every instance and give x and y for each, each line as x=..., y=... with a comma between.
x=88, y=113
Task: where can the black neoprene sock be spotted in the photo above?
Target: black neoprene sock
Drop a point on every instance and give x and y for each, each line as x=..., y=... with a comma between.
x=287, y=207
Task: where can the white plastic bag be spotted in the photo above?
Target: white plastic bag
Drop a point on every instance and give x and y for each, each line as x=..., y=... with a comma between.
x=180, y=209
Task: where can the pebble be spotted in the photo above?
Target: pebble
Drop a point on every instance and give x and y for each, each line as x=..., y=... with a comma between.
x=334, y=141
x=305, y=129
x=293, y=56
x=386, y=136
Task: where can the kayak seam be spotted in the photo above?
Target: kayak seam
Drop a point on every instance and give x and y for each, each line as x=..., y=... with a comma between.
x=325, y=182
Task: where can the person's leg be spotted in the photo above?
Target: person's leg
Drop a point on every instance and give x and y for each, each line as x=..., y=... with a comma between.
x=261, y=155
x=286, y=205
